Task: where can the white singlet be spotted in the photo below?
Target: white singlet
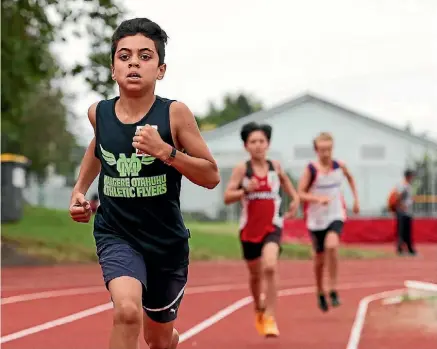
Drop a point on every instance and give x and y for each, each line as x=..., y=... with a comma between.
x=318, y=216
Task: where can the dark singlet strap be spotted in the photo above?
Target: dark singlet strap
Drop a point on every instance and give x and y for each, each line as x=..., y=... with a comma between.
x=249, y=172
x=249, y=169
x=313, y=173
x=335, y=164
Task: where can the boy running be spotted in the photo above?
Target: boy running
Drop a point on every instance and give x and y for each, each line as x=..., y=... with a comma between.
x=140, y=148
x=325, y=212
x=256, y=183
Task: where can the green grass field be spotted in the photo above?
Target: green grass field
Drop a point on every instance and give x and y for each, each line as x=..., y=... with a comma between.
x=52, y=234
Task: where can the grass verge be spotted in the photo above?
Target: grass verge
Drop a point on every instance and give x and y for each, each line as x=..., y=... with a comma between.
x=52, y=235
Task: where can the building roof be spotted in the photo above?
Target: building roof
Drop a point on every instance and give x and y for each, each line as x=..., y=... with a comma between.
x=308, y=97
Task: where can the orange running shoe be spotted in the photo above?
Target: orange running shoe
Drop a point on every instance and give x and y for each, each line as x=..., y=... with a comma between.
x=270, y=327
x=259, y=321
x=259, y=315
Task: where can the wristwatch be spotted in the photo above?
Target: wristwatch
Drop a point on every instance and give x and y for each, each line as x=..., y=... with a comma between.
x=171, y=157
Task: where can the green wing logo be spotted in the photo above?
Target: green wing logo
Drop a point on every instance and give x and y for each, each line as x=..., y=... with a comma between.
x=147, y=160
x=109, y=157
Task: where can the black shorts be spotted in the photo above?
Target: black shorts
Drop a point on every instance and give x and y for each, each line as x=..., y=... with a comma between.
x=163, y=288
x=318, y=236
x=253, y=250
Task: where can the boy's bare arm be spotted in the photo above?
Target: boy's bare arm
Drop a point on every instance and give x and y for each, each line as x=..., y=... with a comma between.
x=90, y=165
x=199, y=166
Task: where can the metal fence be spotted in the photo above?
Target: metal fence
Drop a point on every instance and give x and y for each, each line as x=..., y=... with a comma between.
x=57, y=195
x=374, y=184
x=52, y=194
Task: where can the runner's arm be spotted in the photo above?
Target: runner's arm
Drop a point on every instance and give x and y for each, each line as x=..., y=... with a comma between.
x=199, y=166
x=233, y=192
x=90, y=165
x=350, y=180
x=303, y=187
x=286, y=183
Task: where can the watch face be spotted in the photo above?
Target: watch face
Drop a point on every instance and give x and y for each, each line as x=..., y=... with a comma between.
x=173, y=153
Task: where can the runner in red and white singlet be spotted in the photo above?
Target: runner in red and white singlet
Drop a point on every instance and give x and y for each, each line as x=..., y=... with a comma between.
x=325, y=212
x=256, y=183
x=260, y=208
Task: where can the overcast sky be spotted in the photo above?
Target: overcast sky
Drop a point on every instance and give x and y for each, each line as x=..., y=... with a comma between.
x=375, y=56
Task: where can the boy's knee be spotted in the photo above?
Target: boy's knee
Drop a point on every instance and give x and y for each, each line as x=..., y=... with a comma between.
x=270, y=267
x=162, y=340
x=255, y=276
x=319, y=259
x=127, y=312
x=254, y=271
x=331, y=250
x=332, y=241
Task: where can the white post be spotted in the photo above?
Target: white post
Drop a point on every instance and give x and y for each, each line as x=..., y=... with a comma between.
x=433, y=182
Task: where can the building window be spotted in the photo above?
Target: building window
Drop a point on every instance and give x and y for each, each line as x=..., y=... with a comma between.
x=372, y=152
x=303, y=152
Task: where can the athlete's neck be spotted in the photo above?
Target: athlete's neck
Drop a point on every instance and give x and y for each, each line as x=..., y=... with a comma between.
x=325, y=163
x=259, y=162
x=133, y=108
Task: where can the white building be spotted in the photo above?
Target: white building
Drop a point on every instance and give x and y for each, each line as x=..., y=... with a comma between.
x=375, y=153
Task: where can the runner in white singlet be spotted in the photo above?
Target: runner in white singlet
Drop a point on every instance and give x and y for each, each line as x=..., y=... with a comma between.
x=325, y=212
x=325, y=184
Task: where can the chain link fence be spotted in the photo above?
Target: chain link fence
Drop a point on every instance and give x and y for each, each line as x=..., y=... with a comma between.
x=374, y=184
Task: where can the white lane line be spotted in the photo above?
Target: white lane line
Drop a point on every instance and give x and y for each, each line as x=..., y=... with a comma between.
x=214, y=319
x=220, y=315
x=100, y=289
x=51, y=294
x=96, y=310
x=357, y=326
x=190, y=333
x=55, y=323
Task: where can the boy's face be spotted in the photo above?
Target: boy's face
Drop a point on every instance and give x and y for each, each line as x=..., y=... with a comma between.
x=136, y=63
x=324, y=150
x=257, y=145
x=410, y=178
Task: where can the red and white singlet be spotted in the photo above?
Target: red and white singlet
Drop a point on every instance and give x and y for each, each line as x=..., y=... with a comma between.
x=260, y=208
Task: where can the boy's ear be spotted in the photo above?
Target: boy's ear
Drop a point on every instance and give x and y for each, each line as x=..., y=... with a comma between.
x=161, y=71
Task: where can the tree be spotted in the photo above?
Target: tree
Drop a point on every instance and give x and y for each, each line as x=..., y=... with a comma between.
x=53, y=143
x=26, y=60
x=100, y=20
x=34, y=117
x=234, y=107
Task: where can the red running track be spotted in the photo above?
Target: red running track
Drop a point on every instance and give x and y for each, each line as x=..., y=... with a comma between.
x=212, y=287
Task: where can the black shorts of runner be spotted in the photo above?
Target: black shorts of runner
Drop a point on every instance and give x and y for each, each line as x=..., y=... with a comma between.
x=318, y=236
x=163, y=288
x=253, y=250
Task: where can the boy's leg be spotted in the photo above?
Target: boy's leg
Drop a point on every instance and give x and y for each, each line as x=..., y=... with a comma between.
x=269, y=269
x=331, y=246
x=318, y=239
x=252, y=256
x=270, y=254
x=160, y=335
x=124, y=273
x=408, y=232
x=399, y=233
x=161, y=304
x=252, y=253
x=126, y=296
